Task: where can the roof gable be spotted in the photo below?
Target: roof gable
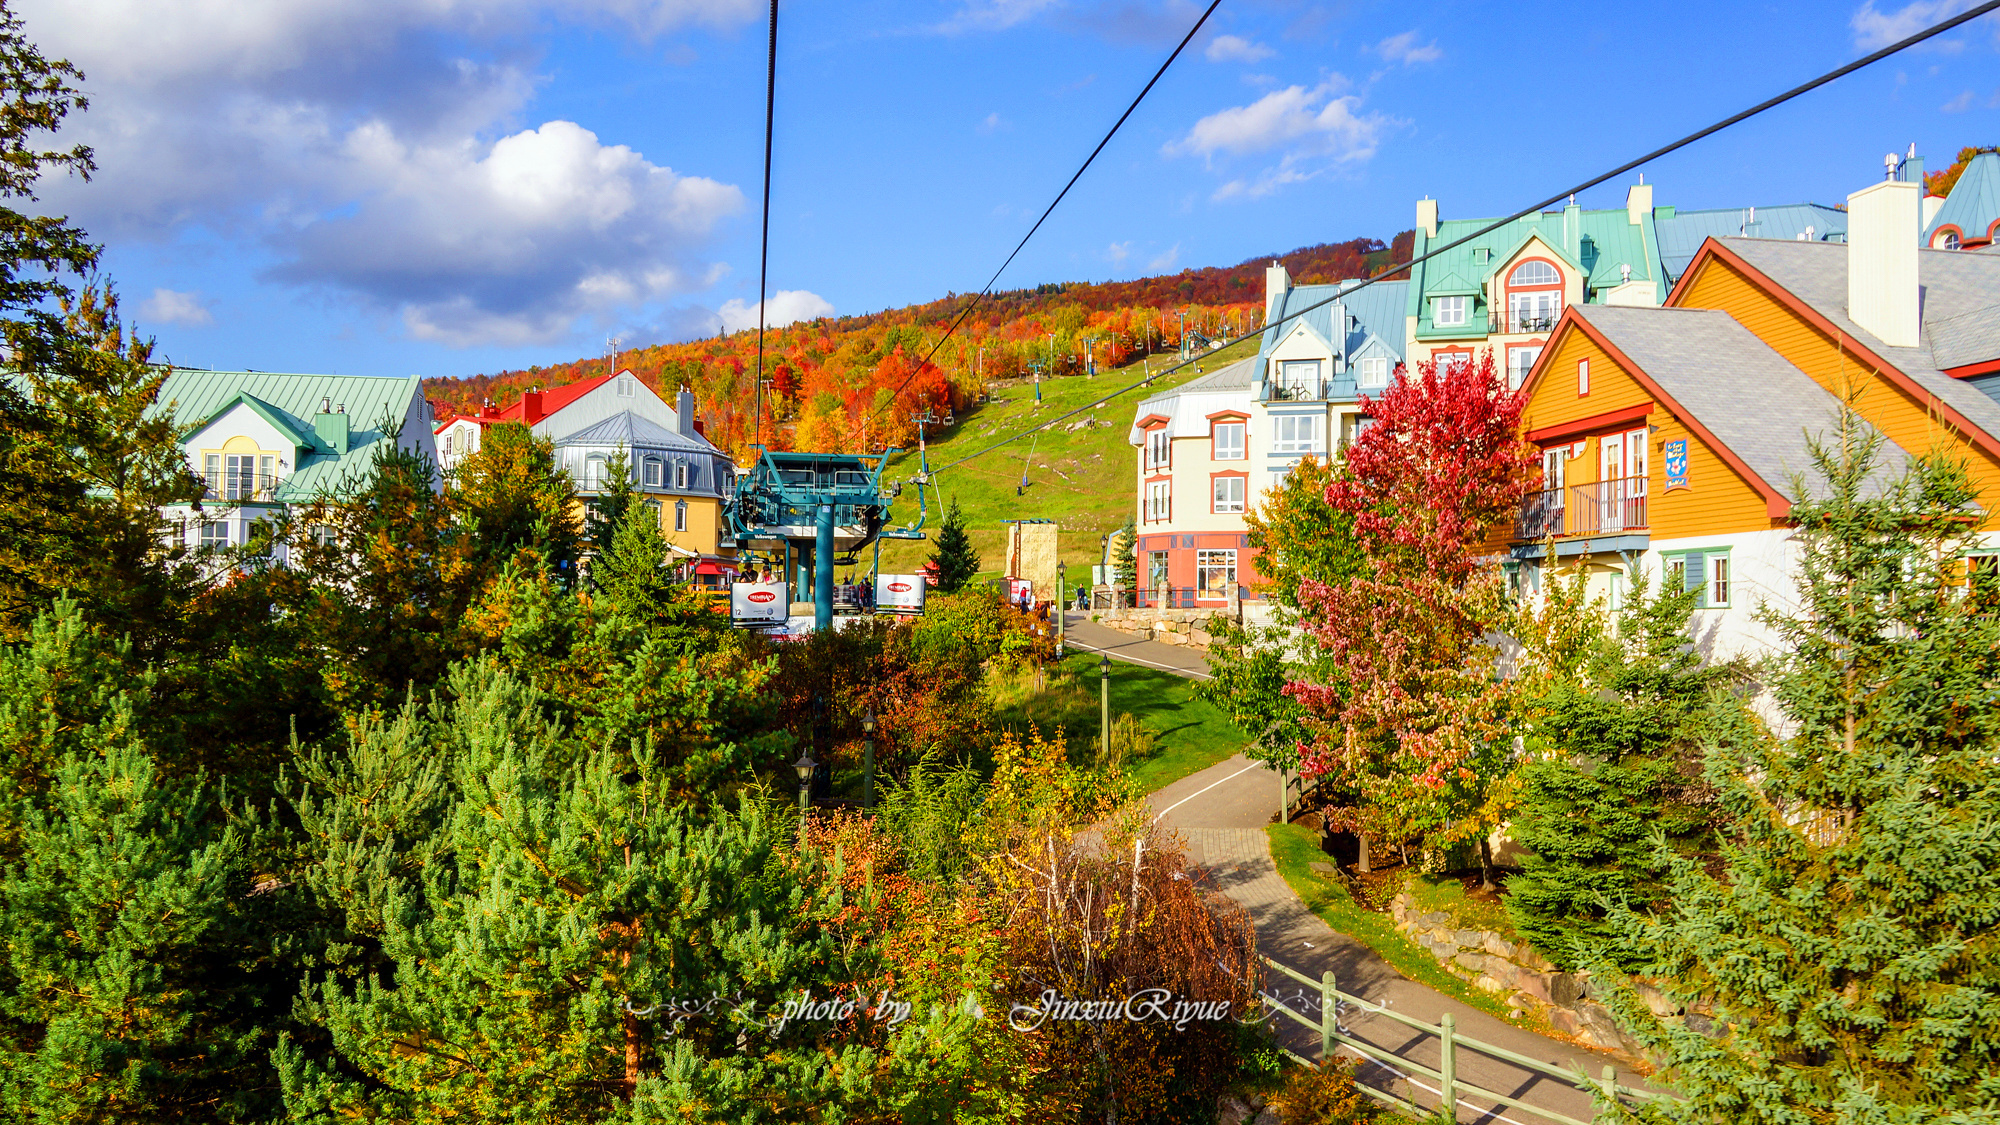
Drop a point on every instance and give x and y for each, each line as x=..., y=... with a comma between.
x=279, y=420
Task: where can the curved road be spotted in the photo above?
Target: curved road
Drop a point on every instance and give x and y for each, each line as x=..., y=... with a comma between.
x=1220, y=813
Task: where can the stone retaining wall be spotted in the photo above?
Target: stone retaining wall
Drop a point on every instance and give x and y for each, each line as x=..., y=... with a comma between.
x=1172, y=626
x=1519, y=972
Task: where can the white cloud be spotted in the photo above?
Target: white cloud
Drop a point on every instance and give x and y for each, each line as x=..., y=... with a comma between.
x=1958, y=104
x=507, y=243
x=170, y=306
x=788, y=306
x=1404, y=49
x=994, y=123
x=351, y=139
x=1235, y=48
x=994, y=15
x=1166, y=261
x=1310, y=120
x=1874, y=29
x=1117, y=252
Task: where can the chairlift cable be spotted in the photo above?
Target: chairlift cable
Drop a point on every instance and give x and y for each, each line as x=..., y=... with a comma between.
x=1734, y=119
x=988, y=289
x=764, y=254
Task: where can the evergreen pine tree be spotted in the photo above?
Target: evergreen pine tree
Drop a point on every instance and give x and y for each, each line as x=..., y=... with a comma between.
x=1125, y=558
x=1848, y=947
x=954, y=558
x=630, y=570
x=1614, y=729
x=613, y=503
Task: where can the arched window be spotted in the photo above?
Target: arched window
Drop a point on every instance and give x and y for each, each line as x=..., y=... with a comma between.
x=680, y=474
x=1534, y=297
x=680, y=515
x=1948, y=240
x=1535, y=272
x=652, y=472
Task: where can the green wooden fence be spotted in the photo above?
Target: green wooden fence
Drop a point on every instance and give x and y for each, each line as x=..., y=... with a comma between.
x=1452, y=1087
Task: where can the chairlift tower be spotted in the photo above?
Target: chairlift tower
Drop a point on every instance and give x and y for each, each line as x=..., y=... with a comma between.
x=826, y=503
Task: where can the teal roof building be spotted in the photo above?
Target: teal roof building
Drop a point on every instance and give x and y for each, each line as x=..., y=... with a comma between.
x=1969, y=218
x=262, y=440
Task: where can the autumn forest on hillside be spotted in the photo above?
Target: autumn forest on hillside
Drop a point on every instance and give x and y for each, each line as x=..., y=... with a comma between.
x=853, y=383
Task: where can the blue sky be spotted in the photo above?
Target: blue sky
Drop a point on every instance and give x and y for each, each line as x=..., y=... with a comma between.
x=446, y=187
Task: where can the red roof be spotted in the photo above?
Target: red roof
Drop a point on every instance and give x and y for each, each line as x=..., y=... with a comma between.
x=532, y=406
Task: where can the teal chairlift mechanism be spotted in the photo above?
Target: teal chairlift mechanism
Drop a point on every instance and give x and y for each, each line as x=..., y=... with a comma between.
x=835, y=502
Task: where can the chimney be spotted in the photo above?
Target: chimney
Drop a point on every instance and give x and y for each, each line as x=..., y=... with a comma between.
x=684, y=412
x=1883, y=296
x=330, y=426
x=1427, y=216
x=1638, y=201
x=531, y=406
x=1277, y=282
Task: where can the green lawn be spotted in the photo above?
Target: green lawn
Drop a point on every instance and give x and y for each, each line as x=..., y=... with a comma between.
x=1081, y=478
x=1185, y=734
x=1295, y=849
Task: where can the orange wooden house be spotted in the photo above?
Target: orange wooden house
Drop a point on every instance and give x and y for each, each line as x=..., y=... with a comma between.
x=1675, y=440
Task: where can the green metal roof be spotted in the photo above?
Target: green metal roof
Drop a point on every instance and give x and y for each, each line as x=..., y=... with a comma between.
x=375, y=404
x=1596, y=241
x=1974, y=202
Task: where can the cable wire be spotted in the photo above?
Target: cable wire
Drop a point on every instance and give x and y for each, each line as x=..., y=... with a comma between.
x=764, y=255
x=982, y=294
x=1384, y=275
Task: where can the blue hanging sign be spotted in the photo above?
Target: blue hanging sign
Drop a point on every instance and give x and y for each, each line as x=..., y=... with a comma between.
x=1677, y=463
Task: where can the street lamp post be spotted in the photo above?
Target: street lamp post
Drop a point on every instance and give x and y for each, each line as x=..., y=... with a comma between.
x=1062, y=606
x=868, y=758
x=805, y=767
x=1104, y=702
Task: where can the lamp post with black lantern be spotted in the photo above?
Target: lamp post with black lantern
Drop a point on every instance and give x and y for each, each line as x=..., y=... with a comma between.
x=1062, y=607
x=868, y=758
x=805, y=767
x=1104, y=702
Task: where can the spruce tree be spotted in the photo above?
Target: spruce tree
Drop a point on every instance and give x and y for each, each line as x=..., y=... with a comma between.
x=1613, y=726
x=611, y=507
x=954, y=558
x=1848, y=948
x=1125, y=558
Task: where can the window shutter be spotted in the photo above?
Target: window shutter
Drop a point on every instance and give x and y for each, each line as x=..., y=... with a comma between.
x=1694, y=576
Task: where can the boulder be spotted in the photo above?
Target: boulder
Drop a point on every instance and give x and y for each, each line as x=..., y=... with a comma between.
x=1565, y=1021
x=1435, y=918
x=1498, y=946
x=1470, y=962
x=1531, y=958
x=1534, y=985
x=1703, y=1025
x=1565, y=989
x=1488, y=984
x=1268, y=1116
x=1469, y=939
x=1503, y=970
x=1656, y=1001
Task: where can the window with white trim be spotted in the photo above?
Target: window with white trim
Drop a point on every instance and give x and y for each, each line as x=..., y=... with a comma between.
x=1159, y=448
x=653, y=472
x=1156, y=569
x=680, y=515
x=1448, y=360
x=681, y=474
x=1229, y=494
x=1214, y=573
x=625, y=386
x=1228, y=441
x=1298, y=433
x=1718, y=580
x=214, y=535
x=1449, y=312
x=1372, y=374
x=1520, y=361
x=1707, y=573
x=1159, y=500
x=1582, y=377
x=594, y=474
x=1534, y=273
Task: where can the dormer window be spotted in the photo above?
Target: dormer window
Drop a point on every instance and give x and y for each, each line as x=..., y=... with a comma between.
x=1449, y=312
x=1534, y=297
x=653, y=472
x=681, y=475
x=1372, y=374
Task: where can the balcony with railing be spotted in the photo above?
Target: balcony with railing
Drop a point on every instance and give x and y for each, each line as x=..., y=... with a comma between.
x=1523, y=320
x=241, y=485
x=1611, y=507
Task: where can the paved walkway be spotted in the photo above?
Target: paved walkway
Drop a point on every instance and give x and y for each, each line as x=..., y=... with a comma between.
x=1220, y=814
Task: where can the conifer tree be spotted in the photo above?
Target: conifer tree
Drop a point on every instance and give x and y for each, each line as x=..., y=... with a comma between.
x=1613, y=728
x=630, y=570
x=613, y=504
x=512, y=496
x=1847, y=948
x=954, y=558
x=1125, y=558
